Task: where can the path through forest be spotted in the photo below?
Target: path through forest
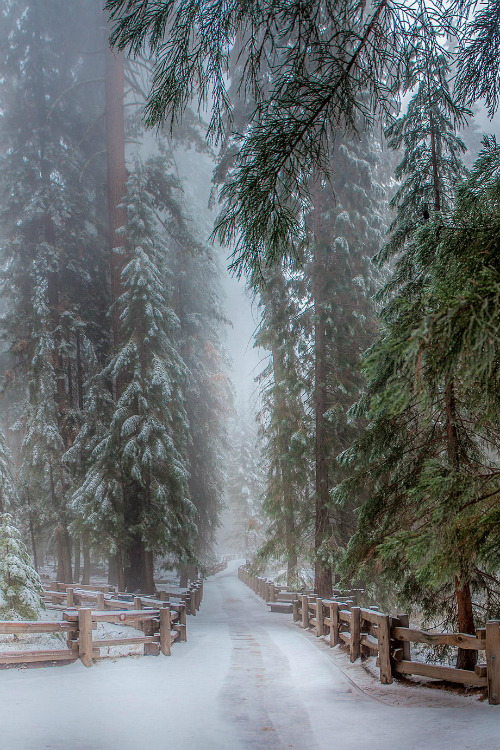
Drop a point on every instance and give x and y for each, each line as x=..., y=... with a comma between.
x=246, y=680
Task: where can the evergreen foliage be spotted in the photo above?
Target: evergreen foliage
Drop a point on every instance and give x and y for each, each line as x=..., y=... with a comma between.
x=316, y=320
x=20, y=585
x=478, y=67
x=50, y=244
x=55, y=274
x=417, y=466
x=315, y=71
x=144, y=446
x=245, y=484
x=285, y=422
x=8, y=493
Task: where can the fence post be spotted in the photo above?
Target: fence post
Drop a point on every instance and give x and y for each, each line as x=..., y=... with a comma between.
x=100, y=602
x=384, y=649
x=305, y=611
x=182, y=621
x=355, y=628
x=165, y=628
x=70, y=599
x=71, y=635
x=295, y=610
x=334, y=623
x=85, y=636
x=319, y=617
x=271, y=593
x=191, y=603
x=402, y=621
x=493, y=661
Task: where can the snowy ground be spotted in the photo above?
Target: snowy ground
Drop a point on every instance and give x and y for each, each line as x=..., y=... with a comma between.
x=246, y=680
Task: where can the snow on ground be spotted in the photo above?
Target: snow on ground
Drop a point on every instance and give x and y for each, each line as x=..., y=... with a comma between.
x=245, y=680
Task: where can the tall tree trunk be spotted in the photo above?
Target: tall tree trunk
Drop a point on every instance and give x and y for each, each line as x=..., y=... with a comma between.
x=130, y=557
x=86, y=559
x=54, y=303
x=148, y=575
x=76, y=571
x=63, y=545
x=67, y=549
x=322, y=571
x=322, y=531
x=466, y=659
x=113, y=571
x=116, y=175
x=134, y=567
x=63, y=541
x=79, y=370
x=183, y=576
x=288, y=509
x=291, y=561
x=116, y=575
x=435, y=168
x=32, y=536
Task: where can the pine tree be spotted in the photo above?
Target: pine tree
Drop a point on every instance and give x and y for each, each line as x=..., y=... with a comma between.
x=285, y=424
x=317, y=319
x=20, y=585
x=50, y=253
x=207, y=392
x=143, y=451
x=345, y=227
x=42, y=447
x=461, y=333
x=413, y=464
x=244, y=484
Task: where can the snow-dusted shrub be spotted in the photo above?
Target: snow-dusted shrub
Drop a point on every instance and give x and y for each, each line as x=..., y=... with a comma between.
x=20, y=585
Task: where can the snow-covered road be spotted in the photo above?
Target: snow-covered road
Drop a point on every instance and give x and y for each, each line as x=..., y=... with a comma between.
x=246, y=680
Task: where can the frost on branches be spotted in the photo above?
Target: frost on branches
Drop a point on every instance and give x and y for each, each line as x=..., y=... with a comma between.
x=20, y=585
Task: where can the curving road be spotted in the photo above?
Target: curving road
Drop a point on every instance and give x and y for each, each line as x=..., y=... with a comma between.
x=246, y=680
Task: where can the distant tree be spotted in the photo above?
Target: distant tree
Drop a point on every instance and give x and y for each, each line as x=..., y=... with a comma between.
x=197, y=301
x=285, y=423
x=8, y=492
x=245, y=483
x=142, y=453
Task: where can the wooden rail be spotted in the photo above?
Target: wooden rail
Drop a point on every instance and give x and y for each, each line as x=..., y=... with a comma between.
x=161, y=628
x=366, y=631
x=162, y=619
x=60, y=595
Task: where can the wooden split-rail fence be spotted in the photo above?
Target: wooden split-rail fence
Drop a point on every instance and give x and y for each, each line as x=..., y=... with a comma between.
x=161, y=628
x=367, y=631
x=59, y=595
x=162, y=620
